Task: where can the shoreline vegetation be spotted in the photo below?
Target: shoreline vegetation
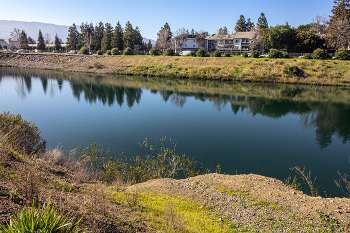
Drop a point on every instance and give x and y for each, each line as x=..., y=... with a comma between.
x=260, y=70
x=91, y=194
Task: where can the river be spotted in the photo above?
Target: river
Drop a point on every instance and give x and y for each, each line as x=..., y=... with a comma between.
x=247, y=128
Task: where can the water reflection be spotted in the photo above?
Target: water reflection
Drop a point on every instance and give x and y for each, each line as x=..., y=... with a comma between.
x=326, y=109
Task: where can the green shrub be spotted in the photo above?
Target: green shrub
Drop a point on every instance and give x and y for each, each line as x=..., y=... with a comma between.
x=193, y=54
x=169, y=52
x=154, y=52
x=255, y=54
x=176, y=54
x=217, y=53
x=227, y=55
x=244, y=54
x=285, y=55
x=109, y=52
x=318, y=54
x=201, y=53
x=292, y=70
x=342, y=54
x=307, y=56
x=99, y=52
x=128, y=51
x=20, y=133
x=274, y=53
x=40, y=220
x=84, y=50
x=114, y=51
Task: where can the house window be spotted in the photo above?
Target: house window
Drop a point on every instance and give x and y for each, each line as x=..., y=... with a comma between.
x=185, y=45
x=194, y=45
x=237, y=41
x=194, y=40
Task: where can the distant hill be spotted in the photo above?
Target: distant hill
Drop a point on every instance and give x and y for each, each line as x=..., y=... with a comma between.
x=32, y=29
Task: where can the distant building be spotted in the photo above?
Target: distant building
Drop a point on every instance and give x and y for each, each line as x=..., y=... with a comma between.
x=238, y=42
x=7, y=44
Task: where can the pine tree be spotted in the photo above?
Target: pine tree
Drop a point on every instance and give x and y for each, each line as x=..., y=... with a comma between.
x=241, y=25
x=117, y=40
x=107, y=38
x=128, y=36
x=73, y=38
x=41, y=44
x=149, y=45
x=338, y=34
x=31, y=40
x=57, y=43
x=98, y=35
x=137, y=39
x=23, y=41
x=262, y=21
x=249, y=25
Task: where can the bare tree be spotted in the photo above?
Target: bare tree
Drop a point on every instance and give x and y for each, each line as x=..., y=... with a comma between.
x=319, y=24
x=339, y=33
x=47, y=38
x=255, y=41
x=222, y=35
x=88, y=40
x=178, y=40
x=14, y=36
x=201, y=35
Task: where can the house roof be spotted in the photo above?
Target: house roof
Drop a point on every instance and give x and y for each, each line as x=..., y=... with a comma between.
x=237, y=35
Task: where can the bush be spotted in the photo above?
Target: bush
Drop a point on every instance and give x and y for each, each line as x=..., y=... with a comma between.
x=154, y=52
x=244, y=54
x=292, y=70
x=255, y=54
x=176, y=54
x=285, y=55
x=217, y=53
x=341, y=54
x=307, y=56
x=318, y=54
x=114, y=51
x=193, y=54
x=99, y=52
x=84, y=50
x=227, y=55
x=109, y=52
x=200, y=53
x=274, y=53
x=169, y=52
x=40, y=220
x=128, y=51
x=20, y=133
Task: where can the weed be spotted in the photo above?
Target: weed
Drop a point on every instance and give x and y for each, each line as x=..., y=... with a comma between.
x=43, y=219
x=98, y=65
x=307, y=179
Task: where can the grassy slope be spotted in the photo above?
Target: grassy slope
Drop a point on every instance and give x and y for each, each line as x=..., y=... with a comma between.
x=315, y=72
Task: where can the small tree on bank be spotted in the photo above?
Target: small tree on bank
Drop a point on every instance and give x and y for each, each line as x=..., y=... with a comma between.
x=23, y=41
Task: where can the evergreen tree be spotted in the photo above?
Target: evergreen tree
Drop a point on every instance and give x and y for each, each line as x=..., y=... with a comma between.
x=107, y=38
x=31, y=40
x=128, y=37
x=73, y=38
x=23, y=41
x=241, y=25
x=149, y=45
x=98, y=35
x=163, y=37
x=262, y=21
x=249, y=25
x=137, y=39
x=41, y=44
x=117, y=40
x=57, y=43
x=338, y=34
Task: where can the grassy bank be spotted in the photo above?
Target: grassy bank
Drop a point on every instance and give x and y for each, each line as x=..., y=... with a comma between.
x=265, y=70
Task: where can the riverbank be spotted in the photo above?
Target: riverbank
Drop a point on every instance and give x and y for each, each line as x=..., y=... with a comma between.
x=265, y=70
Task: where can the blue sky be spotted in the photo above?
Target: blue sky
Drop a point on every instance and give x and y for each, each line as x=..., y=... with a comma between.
x=151, y=15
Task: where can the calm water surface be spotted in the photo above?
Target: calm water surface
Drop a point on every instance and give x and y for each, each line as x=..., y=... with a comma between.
x=247, y=128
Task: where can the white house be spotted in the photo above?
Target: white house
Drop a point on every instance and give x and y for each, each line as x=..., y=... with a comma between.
x=7, y=44
x=240, y=41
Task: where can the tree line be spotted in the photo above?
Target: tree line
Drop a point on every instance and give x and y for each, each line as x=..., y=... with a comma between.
x=104, y=37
